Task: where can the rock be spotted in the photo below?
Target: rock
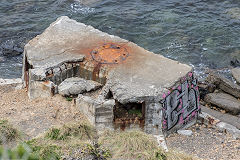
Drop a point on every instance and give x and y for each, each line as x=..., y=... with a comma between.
x=185, y=132
x=224, y=101
x=236, y=74
x=229, y=128
x=75, y=86
x=224, y=84
x=205, y=89
x=10, y=49
x=235, y=62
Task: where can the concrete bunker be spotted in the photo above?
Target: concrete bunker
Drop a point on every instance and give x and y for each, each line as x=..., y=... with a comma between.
x=117, y=84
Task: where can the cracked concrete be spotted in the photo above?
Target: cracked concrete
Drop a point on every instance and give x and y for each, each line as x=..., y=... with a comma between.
x=130, y=73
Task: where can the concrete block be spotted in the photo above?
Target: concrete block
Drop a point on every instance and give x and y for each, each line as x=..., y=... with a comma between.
x=130, y=73
x=41, y=89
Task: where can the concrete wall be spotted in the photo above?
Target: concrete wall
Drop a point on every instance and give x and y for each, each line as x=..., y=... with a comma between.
x=99, y=113
x=153, y=118
x=181, y=105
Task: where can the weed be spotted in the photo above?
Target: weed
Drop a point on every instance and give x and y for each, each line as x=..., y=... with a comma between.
x=130, y=145
x=137, y=145
x=82, y=131
x=69, y=99
x=54, y=133
x=98, y=151
x=44, y=151
x=8, y=133
x=22, y=151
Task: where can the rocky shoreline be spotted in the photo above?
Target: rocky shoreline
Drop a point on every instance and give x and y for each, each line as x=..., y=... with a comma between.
x=221, y=93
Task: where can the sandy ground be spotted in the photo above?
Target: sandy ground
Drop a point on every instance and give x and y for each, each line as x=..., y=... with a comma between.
x=36, y=116
x=206, y=143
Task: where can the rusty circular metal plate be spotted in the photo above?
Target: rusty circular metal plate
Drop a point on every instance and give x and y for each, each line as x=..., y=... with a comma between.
x=110, y=54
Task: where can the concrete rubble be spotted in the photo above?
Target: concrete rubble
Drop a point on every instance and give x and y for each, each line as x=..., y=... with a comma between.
x=224, y=84
x=76, y=86
x=224, y=101
x=221, y=92
x=222, y=104
x=138, y=85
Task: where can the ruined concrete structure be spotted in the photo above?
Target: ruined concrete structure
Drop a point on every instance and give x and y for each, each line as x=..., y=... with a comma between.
x=140, y=89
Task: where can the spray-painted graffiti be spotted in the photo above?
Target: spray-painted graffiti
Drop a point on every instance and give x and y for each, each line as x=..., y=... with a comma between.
x=181, y=105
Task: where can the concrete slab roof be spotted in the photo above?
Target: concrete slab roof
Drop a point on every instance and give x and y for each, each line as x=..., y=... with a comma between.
x=133, y=72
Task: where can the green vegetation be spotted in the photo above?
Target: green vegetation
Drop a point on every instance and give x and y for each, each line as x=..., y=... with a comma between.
x=82, y=131
x=136, y=112
x=137, y=145
x=8, y=133
x=72, y=140
x=80, y=140
x=22, y=151
x=69, y=99
x=130, y=145
x=98, y=151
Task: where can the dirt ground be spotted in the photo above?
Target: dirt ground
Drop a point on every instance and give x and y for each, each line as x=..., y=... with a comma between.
x=36, y=116
x=206, y=143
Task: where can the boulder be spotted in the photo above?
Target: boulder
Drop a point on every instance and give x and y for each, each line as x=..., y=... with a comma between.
x=236, y=74
x=11, y=49
x=75, y=86
x=224, y=101
x=224, y=84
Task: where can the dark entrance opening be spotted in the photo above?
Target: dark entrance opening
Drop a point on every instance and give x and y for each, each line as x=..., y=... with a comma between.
x=127, y=115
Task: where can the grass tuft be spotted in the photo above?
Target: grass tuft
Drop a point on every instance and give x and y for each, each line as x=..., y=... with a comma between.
x=21, y=151
x=82, y=131
x=137, y=145
x=130, y=145
x=69, y=99
x=8, y=133
x=71, y=140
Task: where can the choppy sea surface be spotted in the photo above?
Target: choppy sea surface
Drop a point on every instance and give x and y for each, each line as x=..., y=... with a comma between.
x=202, y=33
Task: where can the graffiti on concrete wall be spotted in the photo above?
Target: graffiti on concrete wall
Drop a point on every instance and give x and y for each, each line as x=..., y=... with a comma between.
x=181, y=104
